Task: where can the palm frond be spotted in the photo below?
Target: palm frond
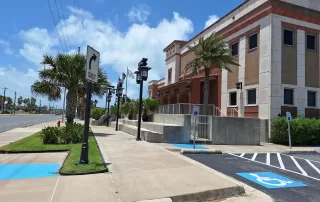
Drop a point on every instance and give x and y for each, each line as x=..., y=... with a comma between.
x=47, y=89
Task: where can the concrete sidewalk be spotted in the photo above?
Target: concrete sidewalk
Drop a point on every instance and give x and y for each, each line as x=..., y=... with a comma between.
x=20, y=133
x=143, y=171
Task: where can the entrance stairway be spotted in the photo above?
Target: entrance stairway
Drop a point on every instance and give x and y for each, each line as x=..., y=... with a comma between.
x=154, y=132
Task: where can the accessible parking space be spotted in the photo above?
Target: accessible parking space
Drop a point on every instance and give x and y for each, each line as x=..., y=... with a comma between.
x=285, y=177
x=29, y=177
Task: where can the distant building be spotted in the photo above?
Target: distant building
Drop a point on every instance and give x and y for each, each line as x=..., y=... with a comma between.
x=276, y=43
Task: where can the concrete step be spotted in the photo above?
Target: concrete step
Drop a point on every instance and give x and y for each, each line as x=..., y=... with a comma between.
x=149, y=135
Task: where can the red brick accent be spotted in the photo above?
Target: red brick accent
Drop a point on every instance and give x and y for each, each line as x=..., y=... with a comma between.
x=285, y=109
x=296, y=27
x=234, y=40
x=251, y=111
x=312, y=113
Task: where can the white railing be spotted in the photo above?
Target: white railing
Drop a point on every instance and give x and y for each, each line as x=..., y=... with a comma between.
x=186, y=108
x=233, y=111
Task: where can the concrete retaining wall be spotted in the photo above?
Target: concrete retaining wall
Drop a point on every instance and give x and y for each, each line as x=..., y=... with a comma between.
x=235, y=131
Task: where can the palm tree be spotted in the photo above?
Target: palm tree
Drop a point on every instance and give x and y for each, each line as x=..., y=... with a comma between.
x=20, y=101
x=67, y=71
x=209, y=53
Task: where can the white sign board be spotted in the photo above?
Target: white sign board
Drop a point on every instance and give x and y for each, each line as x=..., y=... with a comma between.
x=288, y=116
x=93, y=58
x=195, y=110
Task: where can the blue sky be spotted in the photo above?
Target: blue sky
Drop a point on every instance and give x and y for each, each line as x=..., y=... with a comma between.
x=123, y=31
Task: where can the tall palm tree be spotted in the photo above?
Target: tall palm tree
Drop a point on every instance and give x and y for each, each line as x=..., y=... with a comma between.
x=66, y=71
x=20, y=101
x=209, y=53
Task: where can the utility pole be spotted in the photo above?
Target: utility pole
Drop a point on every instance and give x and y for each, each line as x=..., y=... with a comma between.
x=4, y=98
x=14, y=104
x=40, y=108
x=64, y=103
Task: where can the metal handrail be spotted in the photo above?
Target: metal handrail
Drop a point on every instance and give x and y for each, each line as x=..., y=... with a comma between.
x=217, y=109
x=239, y=115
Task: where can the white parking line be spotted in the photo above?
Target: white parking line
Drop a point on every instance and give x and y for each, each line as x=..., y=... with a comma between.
x=280, y=161
x=242, y=154
x=298, y=166
x=276, y=167
x=254, y=156
x=313, y=166
x=268, y=159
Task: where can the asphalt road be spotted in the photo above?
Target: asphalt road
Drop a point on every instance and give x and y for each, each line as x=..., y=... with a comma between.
x=15, y=121
x=294, y=177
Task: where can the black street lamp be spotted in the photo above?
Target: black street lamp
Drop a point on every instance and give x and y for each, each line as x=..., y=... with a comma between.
x=141, y=75
x=119, y=94
x=110, y=91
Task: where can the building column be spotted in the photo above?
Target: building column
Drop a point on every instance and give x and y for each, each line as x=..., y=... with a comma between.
x=271, y=61
x=224, y=92
x=300, y=98
x=241, y=99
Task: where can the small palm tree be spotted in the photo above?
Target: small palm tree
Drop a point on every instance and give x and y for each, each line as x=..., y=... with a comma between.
x=67, y=71
x=209, y=53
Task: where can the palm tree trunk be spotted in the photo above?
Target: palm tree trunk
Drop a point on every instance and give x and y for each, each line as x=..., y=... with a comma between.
x=206, y=91
x=71, y=106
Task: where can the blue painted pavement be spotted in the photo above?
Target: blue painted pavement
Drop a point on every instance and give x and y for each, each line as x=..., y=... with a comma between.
x=189, y=146
x=24, y=171
x=271, y=180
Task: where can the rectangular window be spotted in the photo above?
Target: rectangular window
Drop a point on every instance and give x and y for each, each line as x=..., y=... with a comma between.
x=169, y=75
x=311, y=42
x=253, y=41
x=234, y=49
x=233, y=98
x=252, y=96
x=311, y=99
x=288, y=37
x=288, y=96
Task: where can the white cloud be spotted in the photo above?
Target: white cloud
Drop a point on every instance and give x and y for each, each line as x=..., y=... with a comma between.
x=212, y=19
x=7, y=49
x=139, y=14
x=17, y=80
x=117, y=49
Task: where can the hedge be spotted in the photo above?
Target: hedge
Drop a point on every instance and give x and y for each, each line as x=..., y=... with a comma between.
x=304, y=131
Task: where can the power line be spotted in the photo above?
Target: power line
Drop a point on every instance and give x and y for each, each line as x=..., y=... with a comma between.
x=64, y=21
x=55, y=25
x=62, y=27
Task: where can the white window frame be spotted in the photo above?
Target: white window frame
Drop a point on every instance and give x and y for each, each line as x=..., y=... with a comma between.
x=249, y=42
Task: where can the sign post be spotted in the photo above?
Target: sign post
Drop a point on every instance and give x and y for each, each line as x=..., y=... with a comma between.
x=92, y=68
x=288, y=114
x=195, y=113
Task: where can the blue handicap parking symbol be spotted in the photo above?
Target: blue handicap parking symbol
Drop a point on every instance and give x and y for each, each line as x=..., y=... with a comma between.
x=271, y=180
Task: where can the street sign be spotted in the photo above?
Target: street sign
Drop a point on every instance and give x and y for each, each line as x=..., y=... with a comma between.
x=92, y=66
x=288, y=114
x=289, y=132
x=195, y=110
x=271, y=180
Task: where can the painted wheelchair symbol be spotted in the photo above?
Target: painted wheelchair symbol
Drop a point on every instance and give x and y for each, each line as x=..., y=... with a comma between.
x=266, y=180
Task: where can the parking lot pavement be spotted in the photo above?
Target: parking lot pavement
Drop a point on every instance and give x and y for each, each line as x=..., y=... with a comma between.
x=294, y=177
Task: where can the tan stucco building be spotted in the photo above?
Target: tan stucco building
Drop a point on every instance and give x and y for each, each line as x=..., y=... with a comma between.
x=276, y=43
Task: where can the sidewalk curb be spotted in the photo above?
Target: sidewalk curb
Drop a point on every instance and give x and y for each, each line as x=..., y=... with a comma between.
x=32, y=151
x=85, y=173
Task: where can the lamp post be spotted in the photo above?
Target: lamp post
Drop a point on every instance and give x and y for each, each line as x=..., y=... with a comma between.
x=141, y=75
x=119, y=94
x=110, y=91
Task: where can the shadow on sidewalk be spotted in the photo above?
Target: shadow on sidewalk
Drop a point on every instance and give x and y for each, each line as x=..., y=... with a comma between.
x=102, y=134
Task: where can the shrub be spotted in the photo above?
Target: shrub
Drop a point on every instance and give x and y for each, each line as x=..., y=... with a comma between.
x=304, y=131
x=50, y=135
x=96, y=113
x=5, y=112
x=71, y=134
